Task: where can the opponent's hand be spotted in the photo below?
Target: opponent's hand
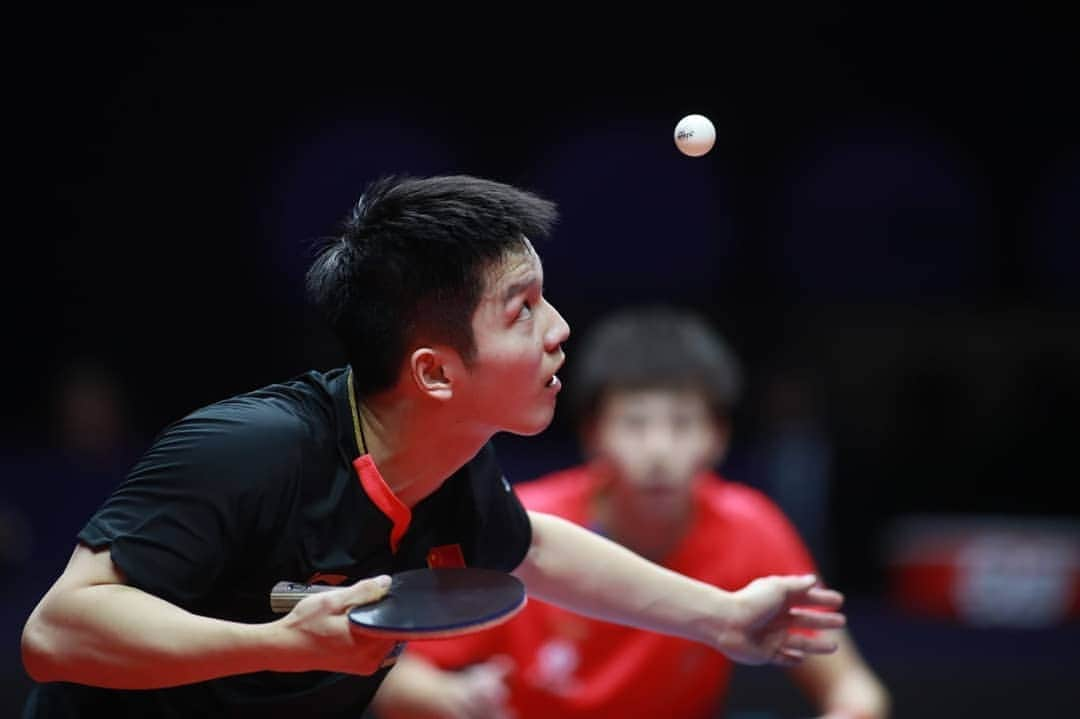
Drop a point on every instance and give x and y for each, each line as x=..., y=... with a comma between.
x=317, y=633
x=417, y=689
x=479, y=691
x=769, y=608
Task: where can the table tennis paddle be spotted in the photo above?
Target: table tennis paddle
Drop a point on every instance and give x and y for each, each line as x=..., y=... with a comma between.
x=426, y=603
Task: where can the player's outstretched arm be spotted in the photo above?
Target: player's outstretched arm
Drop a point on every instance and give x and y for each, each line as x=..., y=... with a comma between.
x=586, y=573
x=92, y=628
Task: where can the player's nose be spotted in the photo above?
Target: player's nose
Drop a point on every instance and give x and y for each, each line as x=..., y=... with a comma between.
x=656, y=443
x=558, y=331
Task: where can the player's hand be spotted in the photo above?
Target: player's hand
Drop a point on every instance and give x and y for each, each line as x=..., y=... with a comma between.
x=479, y=691
x=317, y=633
x=855, y=714
x=769, y=608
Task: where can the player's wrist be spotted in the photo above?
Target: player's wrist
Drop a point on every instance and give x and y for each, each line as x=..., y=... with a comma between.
x=276, y=644
x=716, y=626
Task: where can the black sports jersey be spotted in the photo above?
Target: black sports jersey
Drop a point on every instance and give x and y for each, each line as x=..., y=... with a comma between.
x=262, y=487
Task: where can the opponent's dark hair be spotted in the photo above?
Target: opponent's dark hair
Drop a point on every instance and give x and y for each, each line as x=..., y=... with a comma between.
x=409, y=263
x=652, y=347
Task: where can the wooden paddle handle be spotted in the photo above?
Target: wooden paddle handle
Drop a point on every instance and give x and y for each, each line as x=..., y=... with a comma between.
x=285, y=594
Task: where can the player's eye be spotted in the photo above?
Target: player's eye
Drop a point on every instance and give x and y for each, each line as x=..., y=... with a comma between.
x=525, y=312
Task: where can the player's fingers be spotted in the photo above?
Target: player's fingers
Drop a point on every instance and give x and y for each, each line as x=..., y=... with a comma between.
x=500, y=711
x=485, y=712
x=501, y=665
x=481, y=702
x=365, y=591
x=810, y=644
x=392, y=656
x=795, y=585
x=486, y=685
x=815, y=619
x=827, y=598
x=789, y=657
x=367, y=654
x=484, y=690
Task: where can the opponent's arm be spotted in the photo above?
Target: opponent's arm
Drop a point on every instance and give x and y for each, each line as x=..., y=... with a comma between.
x=842, y=685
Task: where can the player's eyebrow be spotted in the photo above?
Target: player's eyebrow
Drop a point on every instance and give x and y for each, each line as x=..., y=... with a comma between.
x=520, y=286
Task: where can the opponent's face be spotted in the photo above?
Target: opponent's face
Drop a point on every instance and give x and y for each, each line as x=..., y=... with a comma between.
x=653, y=443
x=519, y=335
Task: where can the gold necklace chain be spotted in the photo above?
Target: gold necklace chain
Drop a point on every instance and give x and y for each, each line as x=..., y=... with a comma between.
x=358, y=428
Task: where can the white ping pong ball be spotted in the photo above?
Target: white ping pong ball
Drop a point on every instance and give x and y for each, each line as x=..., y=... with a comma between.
x=694, y=135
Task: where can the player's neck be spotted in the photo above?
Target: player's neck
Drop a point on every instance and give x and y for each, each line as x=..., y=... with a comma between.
x=414, y=450
x=640, y=530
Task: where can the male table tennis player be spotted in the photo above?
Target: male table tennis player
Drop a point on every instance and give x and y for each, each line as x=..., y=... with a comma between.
x=436, y=293
x=651, y=393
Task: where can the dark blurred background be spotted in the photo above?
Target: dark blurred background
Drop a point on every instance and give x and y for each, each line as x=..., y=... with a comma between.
x=886, y=231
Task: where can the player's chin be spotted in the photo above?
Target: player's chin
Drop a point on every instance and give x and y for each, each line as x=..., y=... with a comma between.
x=534, y=424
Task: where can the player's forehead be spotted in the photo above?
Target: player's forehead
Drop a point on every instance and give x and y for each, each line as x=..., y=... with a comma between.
x=656, y=399
x=518, y=268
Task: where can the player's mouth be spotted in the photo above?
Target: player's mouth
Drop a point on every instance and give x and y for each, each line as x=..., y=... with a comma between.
x=553, y=382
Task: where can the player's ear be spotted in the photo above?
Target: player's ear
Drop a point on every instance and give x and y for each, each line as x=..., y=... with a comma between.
x=588, y=435
x=434, y=369
x=721, y=440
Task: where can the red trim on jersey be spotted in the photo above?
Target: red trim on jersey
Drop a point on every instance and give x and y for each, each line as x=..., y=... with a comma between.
x=379, y=492
x=331, y=579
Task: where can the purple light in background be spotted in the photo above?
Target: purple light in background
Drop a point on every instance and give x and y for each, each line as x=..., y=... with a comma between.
x=1055, y=226
x=318, y=176
x=883, y=212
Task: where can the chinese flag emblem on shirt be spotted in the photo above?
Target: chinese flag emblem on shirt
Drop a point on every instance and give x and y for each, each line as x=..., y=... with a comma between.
x=446, y=555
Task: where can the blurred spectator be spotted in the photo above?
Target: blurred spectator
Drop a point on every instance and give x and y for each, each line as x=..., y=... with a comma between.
x=92, y=422
x=53, y=480
x=51, y=488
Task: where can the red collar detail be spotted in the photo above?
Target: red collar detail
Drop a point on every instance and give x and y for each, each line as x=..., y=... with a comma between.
x=379, y=492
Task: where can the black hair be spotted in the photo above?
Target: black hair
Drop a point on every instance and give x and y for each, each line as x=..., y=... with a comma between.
x=652, y=347
x=409, y=263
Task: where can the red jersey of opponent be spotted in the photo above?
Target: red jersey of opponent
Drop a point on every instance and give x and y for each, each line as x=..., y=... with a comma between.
x=569, y=666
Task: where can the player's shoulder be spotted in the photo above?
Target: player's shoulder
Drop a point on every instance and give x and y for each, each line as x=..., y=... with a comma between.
x=298, y=397
x=556, y=491
x=737, y=501
x=270, y=418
